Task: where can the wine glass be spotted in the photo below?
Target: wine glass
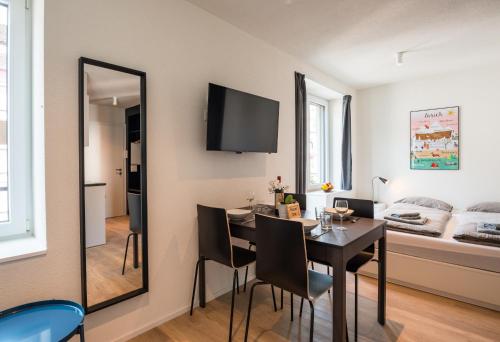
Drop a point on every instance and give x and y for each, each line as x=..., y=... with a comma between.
x=341, y=207
x=250, y=199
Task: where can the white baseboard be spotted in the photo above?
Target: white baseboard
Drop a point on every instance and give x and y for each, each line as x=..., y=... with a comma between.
x=180, y=311
x=465, y=284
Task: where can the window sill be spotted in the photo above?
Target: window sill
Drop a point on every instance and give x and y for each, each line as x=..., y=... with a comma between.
x=322, y=193
x=22, y=248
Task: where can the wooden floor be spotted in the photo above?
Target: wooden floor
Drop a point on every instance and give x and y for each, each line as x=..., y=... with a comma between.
x=104, y=264
x=411, y=316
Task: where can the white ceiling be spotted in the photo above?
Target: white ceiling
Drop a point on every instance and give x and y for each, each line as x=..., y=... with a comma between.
x=104, y=84
x=356, y=40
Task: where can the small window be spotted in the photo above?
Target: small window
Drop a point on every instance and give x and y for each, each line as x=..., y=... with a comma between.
x=318, y=138
x=15, y=120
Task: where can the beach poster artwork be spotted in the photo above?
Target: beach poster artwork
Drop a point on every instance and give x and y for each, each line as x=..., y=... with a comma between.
x=435, y=139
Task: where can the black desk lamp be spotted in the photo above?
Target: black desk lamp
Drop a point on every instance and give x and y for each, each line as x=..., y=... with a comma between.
x=382, y=179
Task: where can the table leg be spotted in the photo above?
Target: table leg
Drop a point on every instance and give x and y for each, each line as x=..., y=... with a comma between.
x=382, y=258
x=136, y=250
x=339, y=300
x=201, y=282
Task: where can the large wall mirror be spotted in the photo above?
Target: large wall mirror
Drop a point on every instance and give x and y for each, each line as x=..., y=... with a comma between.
x=113, y=202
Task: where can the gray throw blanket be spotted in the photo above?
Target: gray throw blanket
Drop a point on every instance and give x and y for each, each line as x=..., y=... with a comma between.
x=418, y=221
x=488, y=228
x=434, y=225
x=407, y=216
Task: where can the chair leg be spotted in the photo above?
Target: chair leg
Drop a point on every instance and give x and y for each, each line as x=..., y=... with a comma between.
x=346, y=333
x=237, y=282
x=355, y=306
x=328, y=272
x=235, y=277
x=281, y=306
x=312, y=265
x=291, y=307
x=245, y=281
x=126, y=250
x=301, y=305
x=246, y=272
x=250, y=308
x=274, y=299
x=194, y=286
x=81, y=332
x=311, y=331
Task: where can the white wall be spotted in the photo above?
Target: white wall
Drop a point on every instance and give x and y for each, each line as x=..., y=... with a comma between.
x=181, y=48
x=104, y=154
x=100, y=116
x=384, y=114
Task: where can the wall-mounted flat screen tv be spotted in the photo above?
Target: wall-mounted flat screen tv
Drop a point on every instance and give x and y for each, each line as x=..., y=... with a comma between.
x=241, y=122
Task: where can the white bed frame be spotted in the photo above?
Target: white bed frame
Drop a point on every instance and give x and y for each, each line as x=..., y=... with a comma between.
x=466, y=284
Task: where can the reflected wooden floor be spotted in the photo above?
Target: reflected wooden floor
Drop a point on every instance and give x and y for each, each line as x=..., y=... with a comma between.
x=104, y=264
x=412, y=316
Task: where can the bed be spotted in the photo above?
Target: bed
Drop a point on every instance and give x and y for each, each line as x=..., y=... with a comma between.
x=443, y=265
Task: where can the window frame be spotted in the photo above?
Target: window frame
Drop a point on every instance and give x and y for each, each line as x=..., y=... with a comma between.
x=19, y=126
x=324, y=145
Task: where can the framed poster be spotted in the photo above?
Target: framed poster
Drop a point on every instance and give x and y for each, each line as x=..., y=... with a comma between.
x=435, y=139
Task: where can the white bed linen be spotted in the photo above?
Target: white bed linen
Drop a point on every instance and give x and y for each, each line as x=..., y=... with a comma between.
x=466, y=228
x=445, y=248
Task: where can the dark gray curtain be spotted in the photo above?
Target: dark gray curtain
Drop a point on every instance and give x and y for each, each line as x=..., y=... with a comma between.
x=346, y=179
x=300, y=133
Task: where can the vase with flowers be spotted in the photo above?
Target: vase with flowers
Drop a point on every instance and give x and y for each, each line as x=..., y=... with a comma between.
x=277, y=188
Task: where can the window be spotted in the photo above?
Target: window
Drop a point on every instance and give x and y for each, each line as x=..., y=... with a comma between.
x=15, y=120
x=318, y=141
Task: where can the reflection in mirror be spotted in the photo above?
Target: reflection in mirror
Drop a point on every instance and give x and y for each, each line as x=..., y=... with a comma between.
x=112, y=185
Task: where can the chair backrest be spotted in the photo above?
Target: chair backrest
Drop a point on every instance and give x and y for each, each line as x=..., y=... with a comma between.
x=214, y=238
x=282, y=254
x=361, y=207
x=301, y=198
x=134, y=211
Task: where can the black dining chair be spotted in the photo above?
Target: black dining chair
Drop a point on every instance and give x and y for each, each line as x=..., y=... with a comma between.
x=282, y=262
x=302, y=200
x=362, y=208
x=135, y=226
x=214, y=241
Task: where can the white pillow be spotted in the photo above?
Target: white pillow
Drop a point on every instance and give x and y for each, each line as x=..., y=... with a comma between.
x=426, y=202
x=485, y=207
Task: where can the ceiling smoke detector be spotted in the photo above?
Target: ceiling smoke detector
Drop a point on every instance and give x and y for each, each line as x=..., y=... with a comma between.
x=399, y=58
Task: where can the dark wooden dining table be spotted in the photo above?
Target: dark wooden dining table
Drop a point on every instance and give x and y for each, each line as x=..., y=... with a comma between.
x=336, y=248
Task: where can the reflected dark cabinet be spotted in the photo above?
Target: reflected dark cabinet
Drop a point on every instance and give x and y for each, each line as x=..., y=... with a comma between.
x=133, y=129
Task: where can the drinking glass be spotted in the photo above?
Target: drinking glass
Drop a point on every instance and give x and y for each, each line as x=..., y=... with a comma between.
x=326, y=220
x=341, y=207
x=250, y=198
x=318, y=211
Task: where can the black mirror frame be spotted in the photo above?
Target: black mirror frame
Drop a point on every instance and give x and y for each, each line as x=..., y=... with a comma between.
x=145, y=277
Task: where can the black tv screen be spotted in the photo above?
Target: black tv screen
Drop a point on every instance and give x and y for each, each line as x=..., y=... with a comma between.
x=241, y=122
